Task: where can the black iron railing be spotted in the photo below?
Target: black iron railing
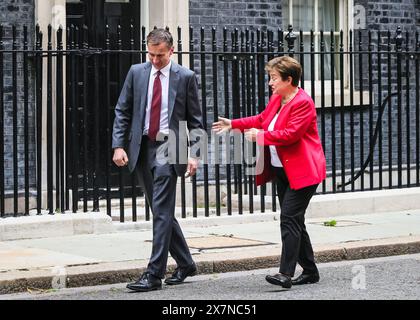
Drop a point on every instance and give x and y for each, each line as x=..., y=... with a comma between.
x=56, y=115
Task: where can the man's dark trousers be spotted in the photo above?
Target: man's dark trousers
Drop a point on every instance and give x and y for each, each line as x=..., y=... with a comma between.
x=297, y=247
x=158, y=180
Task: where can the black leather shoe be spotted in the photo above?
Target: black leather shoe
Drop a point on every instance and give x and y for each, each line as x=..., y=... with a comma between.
x=280, y=280
x=180, y=274
x=147, y=282
x=306, y=278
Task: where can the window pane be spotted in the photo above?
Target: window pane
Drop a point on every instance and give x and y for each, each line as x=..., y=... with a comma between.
x=316, y=15
x=307, y=63
x=303, y=15
x=285, y=13
x=327, y=58
x=328, y=15
x=317, y=61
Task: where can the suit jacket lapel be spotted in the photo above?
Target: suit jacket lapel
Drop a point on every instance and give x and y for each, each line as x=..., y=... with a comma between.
x=143, y=88
x=173, y=88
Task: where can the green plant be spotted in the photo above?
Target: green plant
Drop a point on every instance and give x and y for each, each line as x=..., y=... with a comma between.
x=331, y=223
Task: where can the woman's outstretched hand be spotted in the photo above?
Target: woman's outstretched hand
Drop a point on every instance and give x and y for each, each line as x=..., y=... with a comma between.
x=223, y=125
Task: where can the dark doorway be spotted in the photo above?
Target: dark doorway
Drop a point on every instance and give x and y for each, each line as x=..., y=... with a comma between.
x=95, y=15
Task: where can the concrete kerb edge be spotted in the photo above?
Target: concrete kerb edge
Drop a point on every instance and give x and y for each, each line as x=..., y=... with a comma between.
x=203, y=222
x=45, y=226
x=110, y=277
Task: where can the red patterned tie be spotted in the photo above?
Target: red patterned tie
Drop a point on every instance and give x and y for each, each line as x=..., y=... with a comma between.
x=154, y=124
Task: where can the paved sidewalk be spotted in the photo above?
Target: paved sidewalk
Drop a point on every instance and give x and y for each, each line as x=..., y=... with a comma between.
x=84, y=260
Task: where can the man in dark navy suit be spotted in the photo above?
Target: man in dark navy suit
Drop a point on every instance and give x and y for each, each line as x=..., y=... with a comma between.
x=159, y=100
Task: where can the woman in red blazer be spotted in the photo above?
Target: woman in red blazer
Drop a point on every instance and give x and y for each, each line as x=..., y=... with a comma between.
x=293, y=159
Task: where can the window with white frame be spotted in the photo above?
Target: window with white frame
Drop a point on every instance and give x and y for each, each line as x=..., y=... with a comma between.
x=317, y=15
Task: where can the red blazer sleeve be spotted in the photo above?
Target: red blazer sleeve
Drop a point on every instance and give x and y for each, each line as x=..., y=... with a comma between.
x=298, y=123
x=255, y=121
x=248, y=123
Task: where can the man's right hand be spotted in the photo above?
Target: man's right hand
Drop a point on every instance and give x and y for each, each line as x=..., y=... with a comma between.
x=120, y=157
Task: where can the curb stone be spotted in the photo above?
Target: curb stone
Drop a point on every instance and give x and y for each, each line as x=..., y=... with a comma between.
x=348, y=251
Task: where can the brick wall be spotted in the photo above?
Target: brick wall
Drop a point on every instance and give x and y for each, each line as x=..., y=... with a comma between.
x=418, y=15
x=19, y=13
x=235, y=14
x=382, y=16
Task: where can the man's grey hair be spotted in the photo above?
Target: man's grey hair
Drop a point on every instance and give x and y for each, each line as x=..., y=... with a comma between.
x=158, y=36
